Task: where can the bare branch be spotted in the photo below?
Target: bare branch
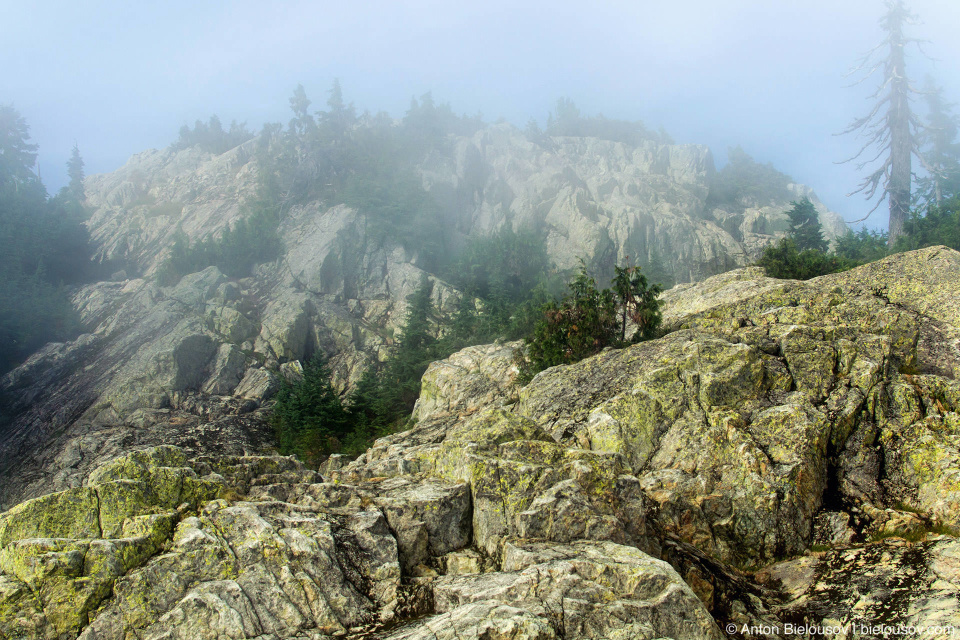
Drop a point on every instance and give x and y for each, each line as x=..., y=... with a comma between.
x=869, y=213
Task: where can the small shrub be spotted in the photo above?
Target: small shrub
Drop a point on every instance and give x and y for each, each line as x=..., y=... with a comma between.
x=785, y=260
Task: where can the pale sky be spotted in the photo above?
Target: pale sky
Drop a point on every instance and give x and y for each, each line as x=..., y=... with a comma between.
x=121, y=77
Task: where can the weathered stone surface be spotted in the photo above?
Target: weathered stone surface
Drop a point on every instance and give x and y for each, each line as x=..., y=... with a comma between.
x=727, y=435
x=125, y=561
x=469, y=380
x=69, y=548
x=258, y=384
x=429, y=519
x=340, y=286
x=232, y=427
x=302, y=559
x=892, y=584
x=727, y=454
x=227, y=371
x=832, y=528
x=586, y=590
x=477, y=621
x=775, y=415
x=597, y=197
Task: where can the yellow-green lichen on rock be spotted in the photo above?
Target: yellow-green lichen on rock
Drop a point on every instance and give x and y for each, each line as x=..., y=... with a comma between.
x=74, y=513
x=68, y=548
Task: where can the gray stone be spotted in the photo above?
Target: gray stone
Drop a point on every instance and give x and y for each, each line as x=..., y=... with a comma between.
x=258, y=385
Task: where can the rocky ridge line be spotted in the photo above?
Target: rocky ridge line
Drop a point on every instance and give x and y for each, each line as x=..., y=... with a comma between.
x=211, y=349
x=664, y=490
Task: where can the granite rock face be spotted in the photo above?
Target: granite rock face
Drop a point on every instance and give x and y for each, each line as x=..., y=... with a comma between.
x=784, y=455
x=158, y=546
x=604, y=201
x=339, y=286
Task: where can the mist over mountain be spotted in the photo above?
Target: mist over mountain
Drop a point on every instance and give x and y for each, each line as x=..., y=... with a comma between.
x=230, y=254
x=334, y=361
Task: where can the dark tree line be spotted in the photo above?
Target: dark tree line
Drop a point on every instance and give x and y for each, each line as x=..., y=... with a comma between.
x=311, y=420
x=44, y=246
x=212, y=137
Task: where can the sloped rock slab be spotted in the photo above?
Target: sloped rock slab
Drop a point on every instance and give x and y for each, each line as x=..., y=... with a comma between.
x=582, y=590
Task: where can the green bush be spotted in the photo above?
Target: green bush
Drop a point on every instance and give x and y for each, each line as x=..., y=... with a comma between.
x=785, y=260
x=588, y=319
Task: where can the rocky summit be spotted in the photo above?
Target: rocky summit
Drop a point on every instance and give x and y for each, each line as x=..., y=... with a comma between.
x=786, y=456
x=191, y=364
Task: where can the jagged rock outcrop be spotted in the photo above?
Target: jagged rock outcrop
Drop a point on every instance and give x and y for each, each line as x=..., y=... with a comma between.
x=158, y=546
x=341, y=285
x=605, y=201
x=773, y=410
x=635, y=494
x=593, y=197
x=211, y=346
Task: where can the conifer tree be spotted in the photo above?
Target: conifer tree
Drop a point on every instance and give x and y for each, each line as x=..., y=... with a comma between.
x=75, y=172
x=340, y=116
x=17, y=155
x=638, y=302
x=302, y=122
x=805, y=227
x=308, y=414
x=890, y=128
x=941, y=150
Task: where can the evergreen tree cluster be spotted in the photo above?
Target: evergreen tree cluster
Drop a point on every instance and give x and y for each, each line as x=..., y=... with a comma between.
x=803, y=253
x=367, y=162
x=938, y=224
x=744, y=182
x=505, y=278
x=312, y=421
x=587, y=319
x=308, y=416
x=250, y=241
x=567, y=120
x=212, y=137
x=44, y=246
